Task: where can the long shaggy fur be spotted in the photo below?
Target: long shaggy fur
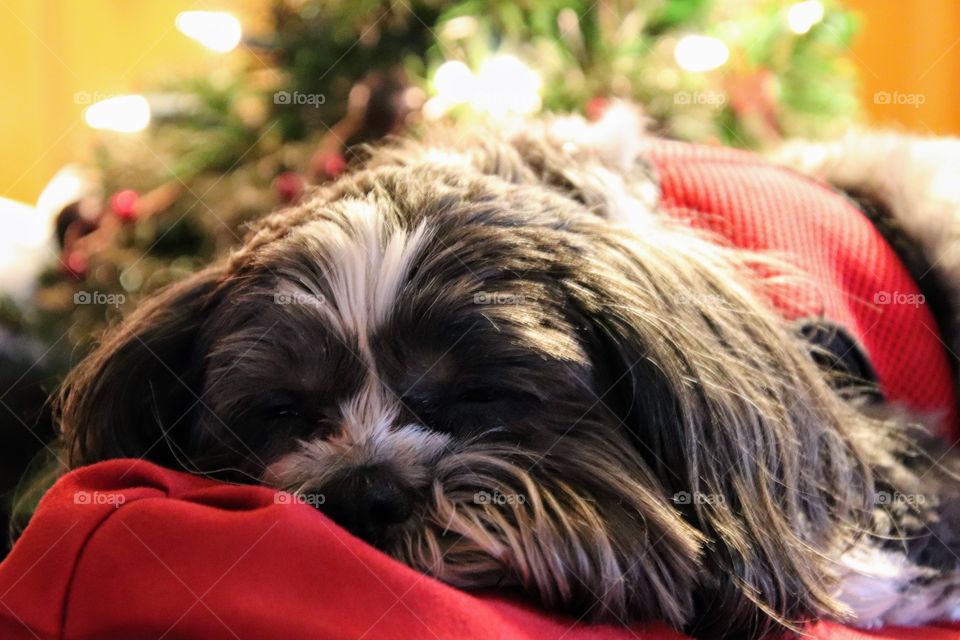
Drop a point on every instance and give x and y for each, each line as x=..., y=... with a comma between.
x=656, y=444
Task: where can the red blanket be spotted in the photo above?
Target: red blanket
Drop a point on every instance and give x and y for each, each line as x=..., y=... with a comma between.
x=126, y=549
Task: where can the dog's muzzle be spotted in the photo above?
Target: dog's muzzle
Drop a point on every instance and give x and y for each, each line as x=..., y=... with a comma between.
x=367, y=501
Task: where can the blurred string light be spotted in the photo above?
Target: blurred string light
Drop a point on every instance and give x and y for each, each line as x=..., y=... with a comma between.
x=454, y=82
x=697, y=53
x=459, y=28
x=216, y=30
x=506, y=85
x=123, y=114
x=802, y=16
x=502, y=86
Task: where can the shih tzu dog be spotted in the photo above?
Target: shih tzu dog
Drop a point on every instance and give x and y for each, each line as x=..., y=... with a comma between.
x=491, y=355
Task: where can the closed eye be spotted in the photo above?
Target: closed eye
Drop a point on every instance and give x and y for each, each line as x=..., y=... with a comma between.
x=277, y=406
x=294, y=417
x=468, y=410
x=478, y=396
x=493, y=394
x=278, y=411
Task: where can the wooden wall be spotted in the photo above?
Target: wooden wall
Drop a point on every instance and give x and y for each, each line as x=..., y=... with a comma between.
x=909, y=50
x=55, y=55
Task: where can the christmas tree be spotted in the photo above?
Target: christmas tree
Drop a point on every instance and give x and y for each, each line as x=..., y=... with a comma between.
x=219, y=151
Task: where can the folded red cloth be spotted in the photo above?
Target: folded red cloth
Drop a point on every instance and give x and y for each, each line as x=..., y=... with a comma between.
x=126, y=549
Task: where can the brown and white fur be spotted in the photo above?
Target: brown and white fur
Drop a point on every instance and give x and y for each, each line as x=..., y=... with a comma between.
x=489, y=355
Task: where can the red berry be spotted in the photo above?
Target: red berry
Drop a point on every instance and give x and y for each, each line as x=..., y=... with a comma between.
x=289, y=186
x=124, y=204
x=75, y=265
x=333, y=165
x=596, y=106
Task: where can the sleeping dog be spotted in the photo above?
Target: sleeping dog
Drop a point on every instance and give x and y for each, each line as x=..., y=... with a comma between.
x=574, y=360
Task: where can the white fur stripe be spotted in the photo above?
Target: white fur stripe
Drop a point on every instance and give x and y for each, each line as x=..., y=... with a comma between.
x=364, y=268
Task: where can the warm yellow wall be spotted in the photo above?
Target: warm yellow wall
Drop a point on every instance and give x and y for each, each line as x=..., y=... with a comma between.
x=53, y=50
x=21, y=132
x=911, y=47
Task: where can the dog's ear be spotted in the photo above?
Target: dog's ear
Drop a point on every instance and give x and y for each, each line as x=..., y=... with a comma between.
x=732, y=415
x=137, y=394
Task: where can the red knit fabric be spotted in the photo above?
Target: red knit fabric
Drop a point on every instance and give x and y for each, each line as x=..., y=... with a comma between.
x=852, y=276
x=124, y=550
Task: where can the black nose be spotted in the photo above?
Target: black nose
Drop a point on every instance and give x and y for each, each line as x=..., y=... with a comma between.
x=367, y=501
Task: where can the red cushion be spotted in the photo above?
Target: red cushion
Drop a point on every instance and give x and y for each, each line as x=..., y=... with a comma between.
x=125, y=549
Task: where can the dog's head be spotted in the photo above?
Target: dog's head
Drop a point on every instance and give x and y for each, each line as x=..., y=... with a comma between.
x=489, y=381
